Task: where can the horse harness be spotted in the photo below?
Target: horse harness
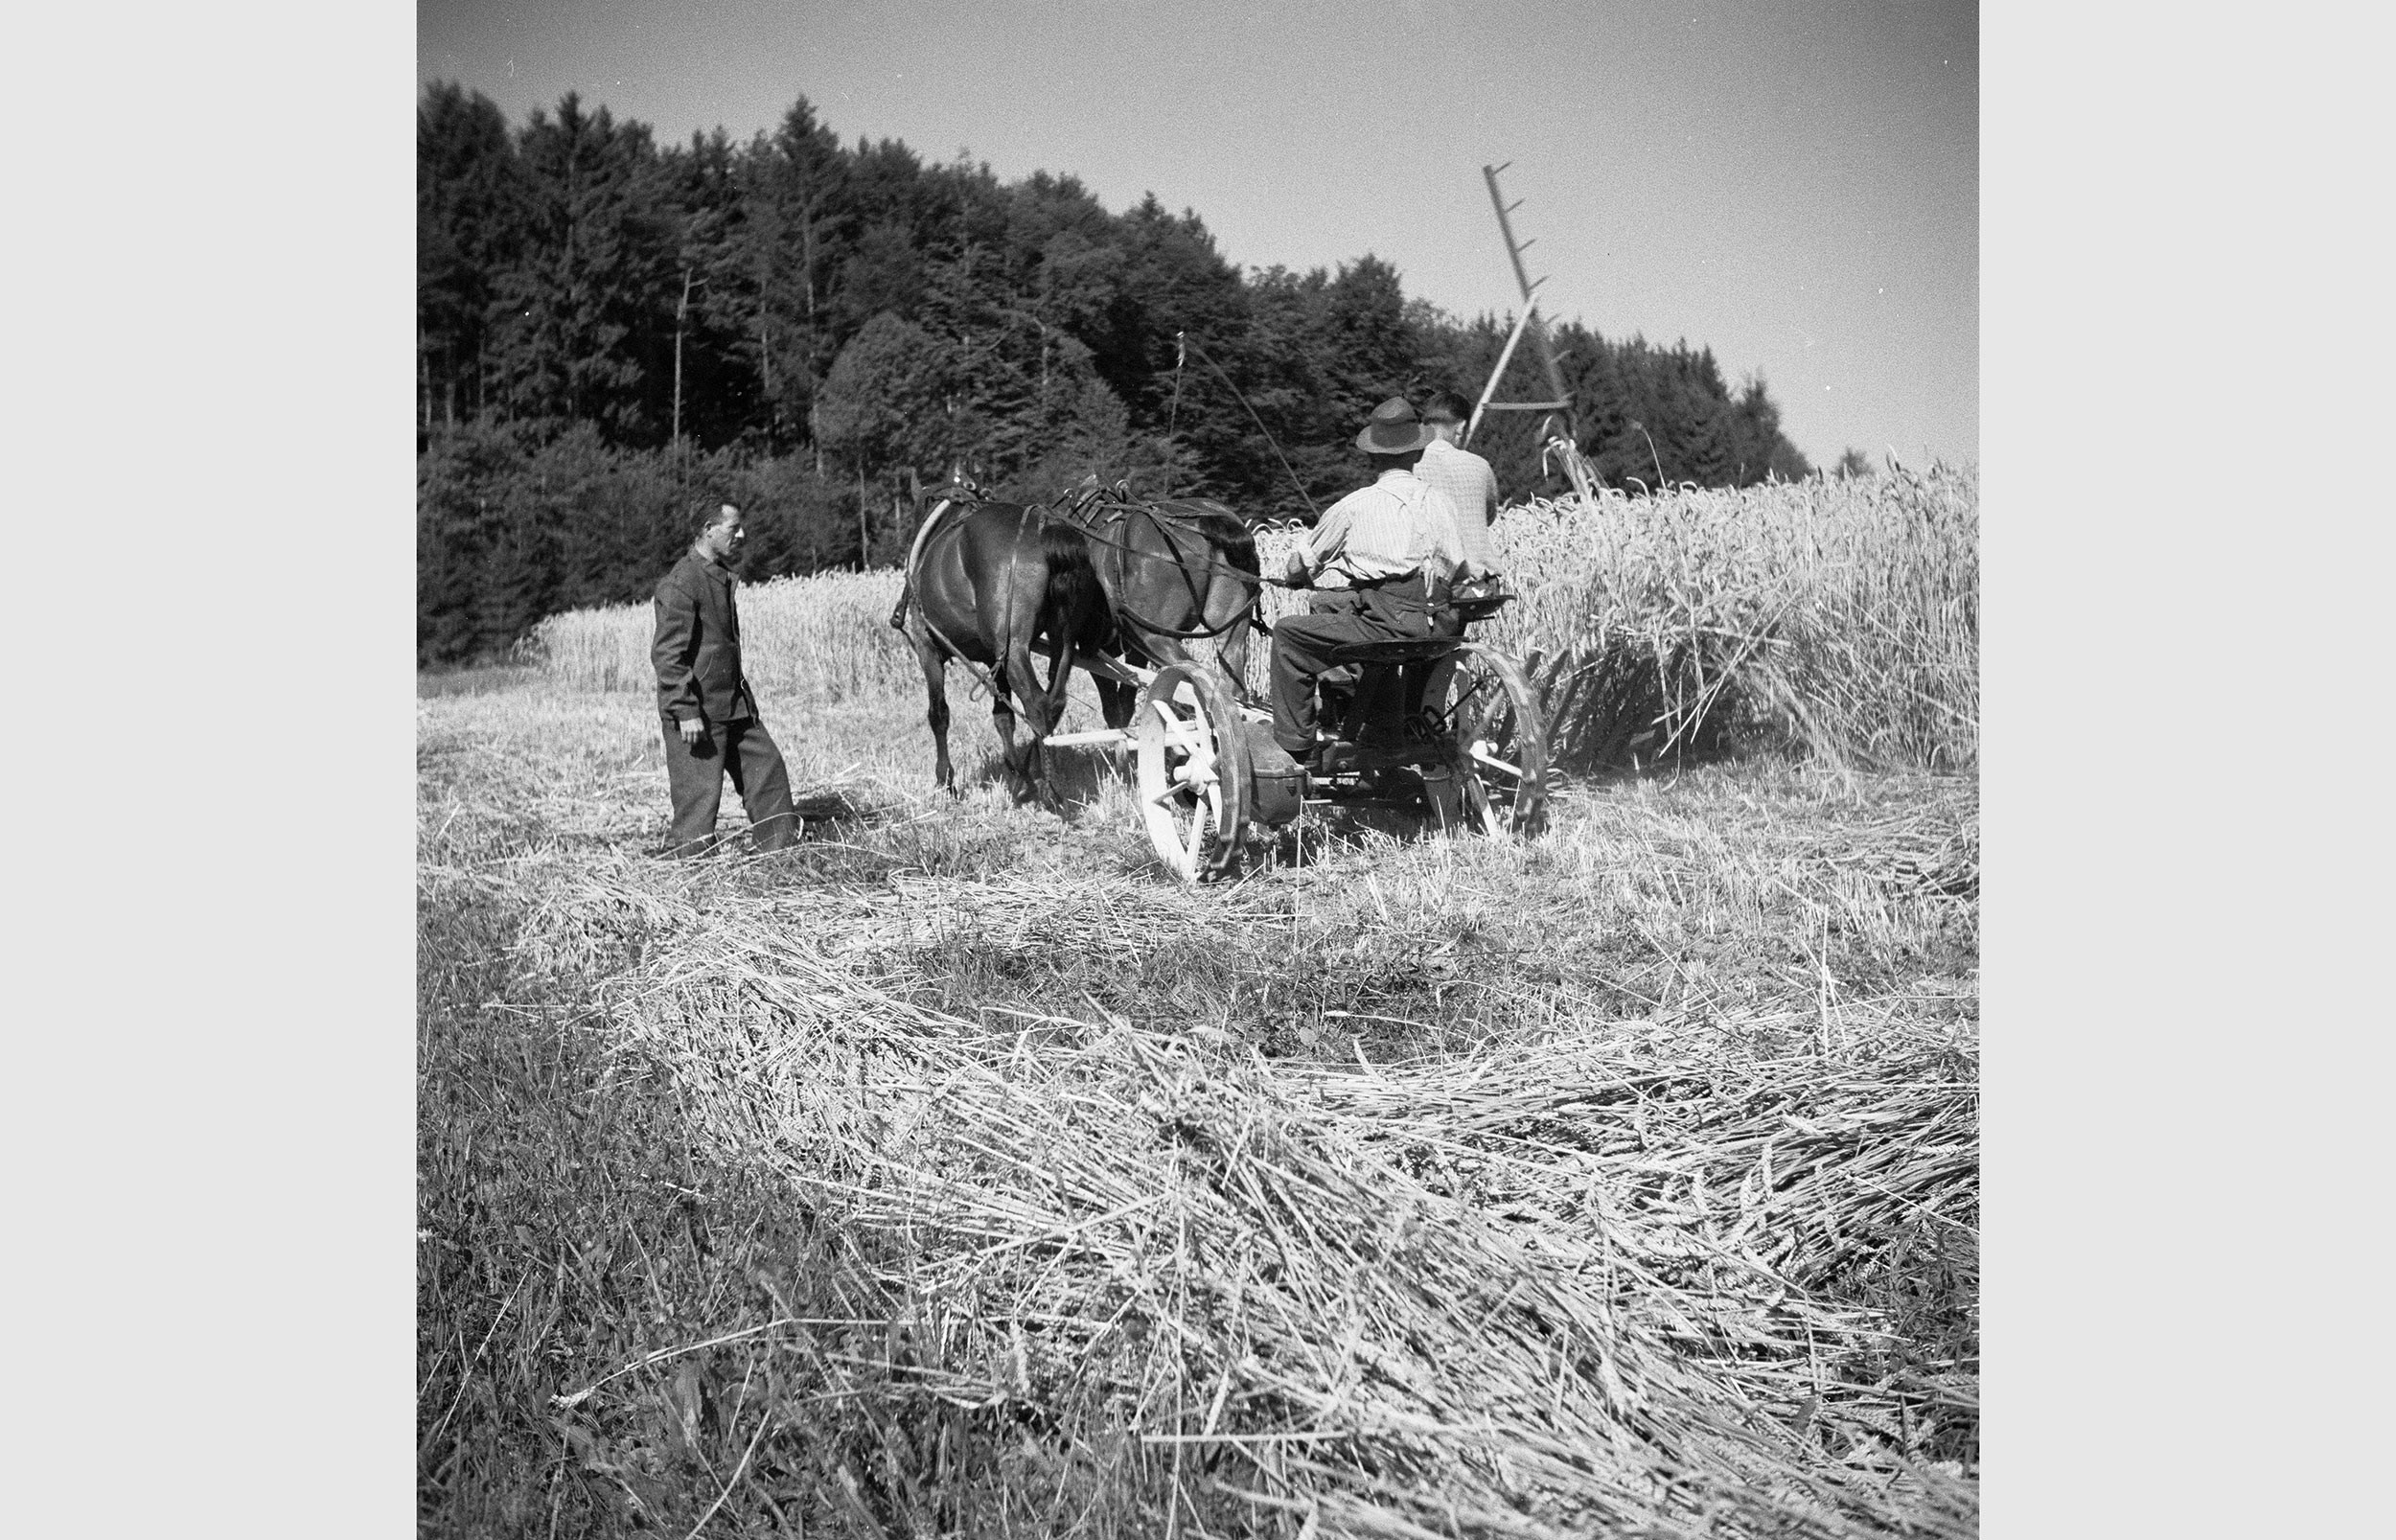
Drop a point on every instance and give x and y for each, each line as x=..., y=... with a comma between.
x=1104, y=520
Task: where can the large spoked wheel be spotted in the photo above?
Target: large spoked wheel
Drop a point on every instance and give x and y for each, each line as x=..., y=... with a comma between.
x=1193, y=770
x=1500, y=744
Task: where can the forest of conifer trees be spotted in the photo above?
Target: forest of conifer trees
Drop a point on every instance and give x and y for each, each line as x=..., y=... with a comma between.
x=611, y=335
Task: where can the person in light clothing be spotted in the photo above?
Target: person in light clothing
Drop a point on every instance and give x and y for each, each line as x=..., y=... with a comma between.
x=1473, y=487
x=1392, y=546
x=1463, y=476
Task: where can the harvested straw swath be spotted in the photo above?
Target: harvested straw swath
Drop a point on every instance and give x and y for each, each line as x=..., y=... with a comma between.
x=1552, y=1290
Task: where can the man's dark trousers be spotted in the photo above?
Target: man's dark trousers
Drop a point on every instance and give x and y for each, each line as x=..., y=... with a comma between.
x=1430, y=682
x=743, y=750
x=1303, y=646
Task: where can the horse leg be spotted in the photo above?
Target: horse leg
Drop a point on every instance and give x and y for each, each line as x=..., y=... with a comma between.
x=1002, y=716
x=1050, y=708
x=1165, y=649
x=1026, y=605
x=1230, y=654
x=1115, y=700
x=935, y=665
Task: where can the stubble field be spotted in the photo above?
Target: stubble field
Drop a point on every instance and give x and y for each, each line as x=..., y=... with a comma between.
x=958, y=1174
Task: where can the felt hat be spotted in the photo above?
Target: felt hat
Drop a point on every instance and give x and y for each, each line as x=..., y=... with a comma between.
x=1393, y=428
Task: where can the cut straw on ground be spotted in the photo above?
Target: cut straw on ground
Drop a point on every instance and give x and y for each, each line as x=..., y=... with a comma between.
x=954, y=1173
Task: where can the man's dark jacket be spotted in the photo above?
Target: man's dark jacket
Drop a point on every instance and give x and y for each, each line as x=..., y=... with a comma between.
x=698, y=651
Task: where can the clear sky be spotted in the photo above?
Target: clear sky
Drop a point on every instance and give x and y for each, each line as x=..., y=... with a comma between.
x=1795, y=186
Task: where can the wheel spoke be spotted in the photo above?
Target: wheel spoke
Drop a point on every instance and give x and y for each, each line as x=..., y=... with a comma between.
x=1501, y=740
x=1450, y=716
x=1174, y=792
x=1494, y=763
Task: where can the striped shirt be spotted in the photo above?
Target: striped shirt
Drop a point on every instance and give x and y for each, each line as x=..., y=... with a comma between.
x=1390, y=529
x=1473, y=487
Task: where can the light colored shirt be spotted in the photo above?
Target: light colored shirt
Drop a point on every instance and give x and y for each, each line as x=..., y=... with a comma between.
x=1473, y=487
x=1399, y=524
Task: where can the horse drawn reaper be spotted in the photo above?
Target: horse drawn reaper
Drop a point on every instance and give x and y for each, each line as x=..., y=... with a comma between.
x=1116, y=587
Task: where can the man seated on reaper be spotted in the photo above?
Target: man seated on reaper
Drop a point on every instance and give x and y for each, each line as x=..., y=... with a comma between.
x=1388, y=551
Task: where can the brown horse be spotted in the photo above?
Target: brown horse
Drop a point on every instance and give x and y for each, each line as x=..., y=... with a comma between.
x=984, y=582
x=1173, y=571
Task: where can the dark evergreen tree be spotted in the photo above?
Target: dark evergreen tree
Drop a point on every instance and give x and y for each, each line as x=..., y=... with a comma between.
x=469, y=217
x=585, y=316
x=712, y=400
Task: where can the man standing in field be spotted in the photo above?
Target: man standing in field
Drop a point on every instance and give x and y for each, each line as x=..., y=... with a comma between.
x=704, y=704
x=1390, y=544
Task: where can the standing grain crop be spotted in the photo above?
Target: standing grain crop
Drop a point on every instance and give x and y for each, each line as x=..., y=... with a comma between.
x=1835, y=618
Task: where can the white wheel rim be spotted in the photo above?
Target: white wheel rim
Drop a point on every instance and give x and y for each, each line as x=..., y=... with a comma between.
x=1180, y=793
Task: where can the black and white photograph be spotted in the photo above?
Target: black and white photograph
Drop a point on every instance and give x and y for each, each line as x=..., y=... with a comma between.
x=1207, y=769
x=1197, y=770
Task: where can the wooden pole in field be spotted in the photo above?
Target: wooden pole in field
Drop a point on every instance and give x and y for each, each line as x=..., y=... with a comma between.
x=1506, y=355
x=1575, y=465
x=1515, y=250
x=680, y=313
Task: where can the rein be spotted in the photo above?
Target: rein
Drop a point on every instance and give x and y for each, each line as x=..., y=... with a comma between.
x=1181, y=339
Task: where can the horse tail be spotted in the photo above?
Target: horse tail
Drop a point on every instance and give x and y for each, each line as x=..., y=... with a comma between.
x=1225, y=530
x=1074, y=605
x=1237, y=541
x=1003, y=634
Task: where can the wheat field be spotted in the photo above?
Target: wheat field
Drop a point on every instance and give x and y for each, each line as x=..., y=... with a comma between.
x=1839, y=618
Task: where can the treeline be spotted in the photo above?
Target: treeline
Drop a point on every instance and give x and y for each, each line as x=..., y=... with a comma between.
x=611, y=335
